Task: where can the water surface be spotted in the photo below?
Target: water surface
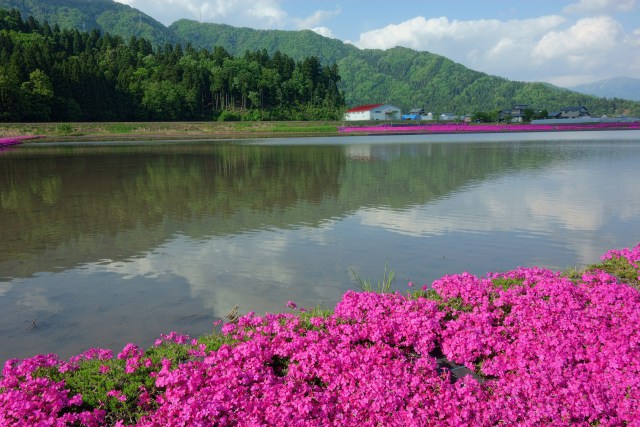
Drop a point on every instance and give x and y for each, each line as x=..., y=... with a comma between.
x=104, y=244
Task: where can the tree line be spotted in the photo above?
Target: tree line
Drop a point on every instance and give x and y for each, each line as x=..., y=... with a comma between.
x=49, y=74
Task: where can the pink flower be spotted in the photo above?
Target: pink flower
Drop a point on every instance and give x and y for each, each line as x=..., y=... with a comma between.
x=522, y=347
x=117, y=394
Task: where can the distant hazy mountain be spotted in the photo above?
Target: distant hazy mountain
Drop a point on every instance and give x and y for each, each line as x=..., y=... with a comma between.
x=85, y=15
x=616, y=87
x=399, y=76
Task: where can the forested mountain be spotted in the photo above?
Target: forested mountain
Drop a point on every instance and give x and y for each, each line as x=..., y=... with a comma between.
x=236, y=40
x=616, y=87
x=86, y=15
x=399, y=76
x=67, y=75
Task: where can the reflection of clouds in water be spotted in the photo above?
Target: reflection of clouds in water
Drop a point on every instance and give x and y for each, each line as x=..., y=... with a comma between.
x=571, y=216
x=629, y=208
x=36, y=300
x=226, y=272
x=5, y=288
x=223, y=272
x=539, y=204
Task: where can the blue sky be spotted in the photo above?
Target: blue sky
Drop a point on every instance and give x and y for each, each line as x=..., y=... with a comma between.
x=563, y=42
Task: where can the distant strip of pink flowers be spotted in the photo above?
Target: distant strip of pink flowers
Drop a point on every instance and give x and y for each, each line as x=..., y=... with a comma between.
x=11, y=140
x=538, y=349
x=483, y=128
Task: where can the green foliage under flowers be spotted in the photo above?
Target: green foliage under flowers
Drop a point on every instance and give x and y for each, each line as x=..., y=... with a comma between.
x=94, y=379
x=306, y=316
x=505, y=283
x=621, y=268
x=214, y=341
x=94, y=386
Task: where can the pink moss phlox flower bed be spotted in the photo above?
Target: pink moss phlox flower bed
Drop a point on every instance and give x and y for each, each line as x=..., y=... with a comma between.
x=540, y=349
x=484, y=128
x=12, y=140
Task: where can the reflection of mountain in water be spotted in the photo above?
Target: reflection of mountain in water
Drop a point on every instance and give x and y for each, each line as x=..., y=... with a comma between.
x=62, y=206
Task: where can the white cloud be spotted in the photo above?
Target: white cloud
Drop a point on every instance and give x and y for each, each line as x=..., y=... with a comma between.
x=242, y=13
x=600, y=6
x=633, y=39
x=441, y=33
x=316, y=18
x=262, y=14
x=580, y=42
x=323, y=31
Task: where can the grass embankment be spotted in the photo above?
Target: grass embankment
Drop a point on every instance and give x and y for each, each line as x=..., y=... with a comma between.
x=62, y=132
x=524, y=347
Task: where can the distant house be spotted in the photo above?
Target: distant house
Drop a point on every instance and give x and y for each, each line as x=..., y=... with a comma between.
x=519, y=109
x=447, y=116
x=518, y=113
x=373, y=112
x=428, y=116
x=412, y=116
x=573, y=112
x=515, y=115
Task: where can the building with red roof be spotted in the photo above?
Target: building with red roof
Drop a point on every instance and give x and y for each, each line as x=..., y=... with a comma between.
x=373, y=112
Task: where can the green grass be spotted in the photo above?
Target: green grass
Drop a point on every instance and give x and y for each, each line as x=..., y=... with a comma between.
x=383, y=287
x=65, y=129
x=305, y=129
x=620, y=268
x=53, y=132
x=121, y=128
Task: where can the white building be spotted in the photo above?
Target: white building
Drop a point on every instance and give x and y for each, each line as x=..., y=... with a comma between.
x=447, y=117
x=373, y=112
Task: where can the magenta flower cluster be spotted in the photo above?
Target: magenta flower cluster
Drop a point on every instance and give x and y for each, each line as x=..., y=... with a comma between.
x=632, y=256
x=526, y=347
x=29, y=400
x=437, y=128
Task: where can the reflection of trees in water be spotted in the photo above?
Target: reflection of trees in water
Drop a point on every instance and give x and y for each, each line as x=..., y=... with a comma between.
x=82, y=204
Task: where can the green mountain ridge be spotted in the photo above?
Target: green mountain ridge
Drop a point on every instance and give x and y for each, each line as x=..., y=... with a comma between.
x=104, y=15
x=235, y=40
x=399, y=76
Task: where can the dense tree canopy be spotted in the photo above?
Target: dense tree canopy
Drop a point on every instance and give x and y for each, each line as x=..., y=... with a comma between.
x=68, y=75
x=104, y=15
